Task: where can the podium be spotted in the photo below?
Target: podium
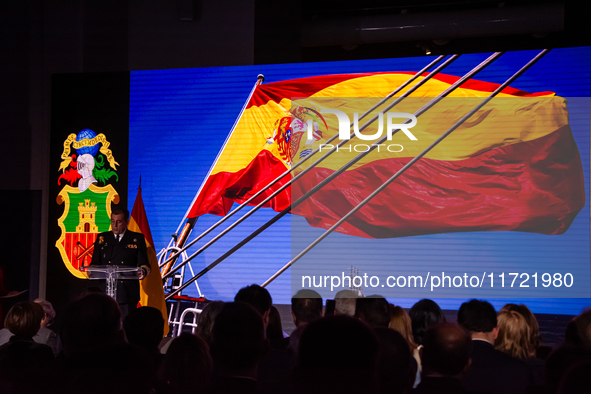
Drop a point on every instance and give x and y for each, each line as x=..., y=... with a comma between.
x=112, y=273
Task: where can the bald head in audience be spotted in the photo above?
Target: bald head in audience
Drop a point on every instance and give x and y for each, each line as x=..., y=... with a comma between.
x=446, y=350
x=344, y=302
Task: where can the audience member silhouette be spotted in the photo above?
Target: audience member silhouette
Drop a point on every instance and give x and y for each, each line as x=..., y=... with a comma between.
x=116, y=368
x=45, y=335
x=90, y=325
x=445, y=355
x=516, y=339
x=579, y=330
x=238, y=342
x=22, y=358
x=575, y=351
x=396, y=368
x=345, y=301
x=259, y=298
x=187, y=366
x=144, y=327
x=233, y=352
x=337, y=355
x=90, y=290
x=91, y=322
x=306, y=307
x=276, y=366
x=373, y=311
x=540, y=351
x=274, y=328
x=424, y=314
x=491, y=371
x=206, y=319
x=275, y=363
x=560, y=362
x=400, y=321
x=576, y=380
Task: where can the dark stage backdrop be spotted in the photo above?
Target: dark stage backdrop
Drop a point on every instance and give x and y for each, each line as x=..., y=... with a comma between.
x=20, y=215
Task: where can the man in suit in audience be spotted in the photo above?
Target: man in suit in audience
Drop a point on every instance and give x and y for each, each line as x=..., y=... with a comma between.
x=306, y=307
x=373, y=311
x=491, y=371
x=259, y=298
x=121, y=246
x=445, y=356
x=274, y=368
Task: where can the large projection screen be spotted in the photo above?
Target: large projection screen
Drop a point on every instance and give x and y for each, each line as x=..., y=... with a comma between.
x=179, y=120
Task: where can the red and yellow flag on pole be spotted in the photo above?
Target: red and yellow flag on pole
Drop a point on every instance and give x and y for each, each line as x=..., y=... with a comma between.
x=514, y=165
x=151, y=290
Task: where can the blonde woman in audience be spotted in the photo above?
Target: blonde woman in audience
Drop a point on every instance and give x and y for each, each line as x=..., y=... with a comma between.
x=514, y=335
x=536, y=339
x=400, y=321
x=517, y=339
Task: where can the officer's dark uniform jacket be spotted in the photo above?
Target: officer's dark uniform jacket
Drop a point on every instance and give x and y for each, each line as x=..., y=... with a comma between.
x=130, y=251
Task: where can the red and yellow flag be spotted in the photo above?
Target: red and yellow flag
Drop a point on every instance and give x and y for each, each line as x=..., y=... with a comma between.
x=151, y=289
x=513, y=165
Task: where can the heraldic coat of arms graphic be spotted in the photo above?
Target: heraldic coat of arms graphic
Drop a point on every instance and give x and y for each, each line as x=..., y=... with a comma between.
x=86, y=195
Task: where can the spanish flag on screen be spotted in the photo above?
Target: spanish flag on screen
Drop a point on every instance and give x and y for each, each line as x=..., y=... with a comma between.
x=151, y=289
x=513, y=165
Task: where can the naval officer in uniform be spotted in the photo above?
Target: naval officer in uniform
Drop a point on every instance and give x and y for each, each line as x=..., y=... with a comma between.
x=121, y=246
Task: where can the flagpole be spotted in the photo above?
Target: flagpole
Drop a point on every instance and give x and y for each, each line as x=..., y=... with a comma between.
x=408, y=165
x=306, y=158
x=188, y=227
x=459, y=82
x=301, y=174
